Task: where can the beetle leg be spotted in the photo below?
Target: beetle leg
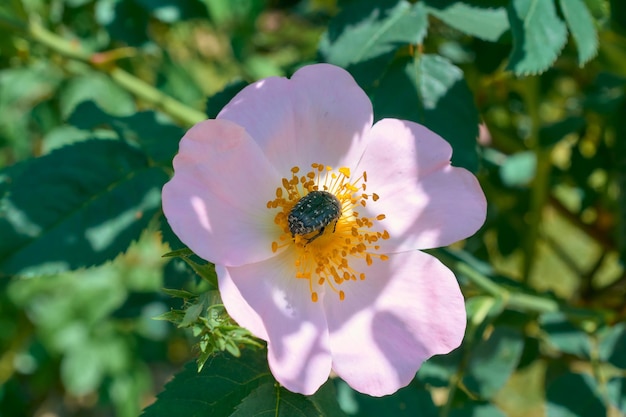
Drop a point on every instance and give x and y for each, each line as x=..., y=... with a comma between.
x=312, y=238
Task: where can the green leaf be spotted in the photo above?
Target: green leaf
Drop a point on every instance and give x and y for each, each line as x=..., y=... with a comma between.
x=171, y=11
x=192, y=313
x=616, y=390
x=563, y=335
x=217, y=102
x=618, y=15
x=76, y=207
x=538, y=35
x=492, y=361
x=428, y=89
x=519, y=169
x=272, y=401
x=13, y=11
x=574, y=395
x=485, y=23
x=554, y=132
x=215, y=391
x=438, y=370
x=152, y=131
x=125, y=21
x=613, y=345
x=476, y=409
x=179, y=293
x=606, y=93
x=237, y=387
x=580, y=24
x=99, y=88
x=406, y=402
x=366, y=34
x=21, y=91
x=234, y=12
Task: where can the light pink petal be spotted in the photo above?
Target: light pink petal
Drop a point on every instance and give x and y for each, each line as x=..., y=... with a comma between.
x=267, y=299
x=408, y=309
x=427, y=202
x=216, y=201
x=319, y=115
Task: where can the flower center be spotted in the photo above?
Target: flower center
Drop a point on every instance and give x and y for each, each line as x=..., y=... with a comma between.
x=319, y=214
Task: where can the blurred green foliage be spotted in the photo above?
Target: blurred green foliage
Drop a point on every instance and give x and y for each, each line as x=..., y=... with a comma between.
x=95, y=95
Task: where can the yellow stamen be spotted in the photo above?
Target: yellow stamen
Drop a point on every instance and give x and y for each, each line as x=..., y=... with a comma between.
x=324, y=259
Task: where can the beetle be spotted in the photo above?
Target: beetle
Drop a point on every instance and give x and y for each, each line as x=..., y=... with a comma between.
x=314, y=212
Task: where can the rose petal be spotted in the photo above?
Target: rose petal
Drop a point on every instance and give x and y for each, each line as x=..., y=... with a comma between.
x=407, y=309
x=215, y=203
x=319, y=115
x=427, y=202
x=267, y=299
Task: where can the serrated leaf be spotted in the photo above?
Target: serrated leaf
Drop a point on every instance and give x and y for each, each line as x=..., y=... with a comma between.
x=155, y=134
x=217, y=390
x=365, y=35
x=230, y=387
x=76, y=207
x=538, y=35
x=580, y=24
x=192, y=313
x=179, y=293
x=174, y=316
x=574, y=395
x=271, y=401
x=430, y=90
x=485, y=23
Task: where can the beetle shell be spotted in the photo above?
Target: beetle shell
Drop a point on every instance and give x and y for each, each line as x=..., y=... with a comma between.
x=314, y=212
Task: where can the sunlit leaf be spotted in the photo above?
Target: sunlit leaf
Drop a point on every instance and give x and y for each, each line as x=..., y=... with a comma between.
x=78, y=206
x=152, y=131
x=493, y=360
x=365, y=35
x=538, y=35
x=519, y=169
x=616, y=390
x=484, y=22
x=99, y=88
x=237, y=387
x=563, y=335
x=580, y=24
x=428, y=89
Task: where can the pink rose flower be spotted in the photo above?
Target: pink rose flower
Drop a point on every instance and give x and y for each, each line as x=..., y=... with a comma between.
x=336, y=282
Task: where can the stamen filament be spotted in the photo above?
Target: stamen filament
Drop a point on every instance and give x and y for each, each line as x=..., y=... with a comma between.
x=323, y=256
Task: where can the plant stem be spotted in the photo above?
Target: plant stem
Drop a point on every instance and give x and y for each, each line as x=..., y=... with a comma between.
x=141, y=89
x=540, y=184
